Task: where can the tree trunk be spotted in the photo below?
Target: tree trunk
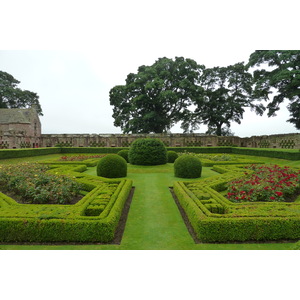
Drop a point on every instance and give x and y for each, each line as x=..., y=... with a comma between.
x=219, y=130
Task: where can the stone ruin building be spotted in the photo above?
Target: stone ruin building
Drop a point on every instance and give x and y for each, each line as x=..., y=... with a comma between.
x=21, y=128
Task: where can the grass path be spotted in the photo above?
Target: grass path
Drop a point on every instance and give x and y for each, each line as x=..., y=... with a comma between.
x=154, y=221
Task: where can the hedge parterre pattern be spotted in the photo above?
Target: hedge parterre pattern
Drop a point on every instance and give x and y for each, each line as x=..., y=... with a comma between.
x=214, y=218
x=209, y=160
x=93, y=219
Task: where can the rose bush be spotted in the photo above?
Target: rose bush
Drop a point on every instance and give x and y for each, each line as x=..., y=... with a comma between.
x=266, y=183
x=33, y=184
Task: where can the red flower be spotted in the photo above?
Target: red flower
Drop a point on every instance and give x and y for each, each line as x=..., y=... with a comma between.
x=272, y=198
x=279, y=193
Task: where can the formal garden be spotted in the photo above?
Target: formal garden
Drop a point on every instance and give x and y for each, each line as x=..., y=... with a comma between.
x=150, y=197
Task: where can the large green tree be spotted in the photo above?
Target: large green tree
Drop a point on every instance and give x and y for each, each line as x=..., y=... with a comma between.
x=157, y=96
x=13, y=97
x=279, y=73
x=227, y=92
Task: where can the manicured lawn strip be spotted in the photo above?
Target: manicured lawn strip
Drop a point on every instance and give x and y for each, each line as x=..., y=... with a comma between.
x=154, y=221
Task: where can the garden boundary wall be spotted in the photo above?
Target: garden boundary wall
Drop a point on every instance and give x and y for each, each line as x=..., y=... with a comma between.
x=281, y=141
x=15, y=141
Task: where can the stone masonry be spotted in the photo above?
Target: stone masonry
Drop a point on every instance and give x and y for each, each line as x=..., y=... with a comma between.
x=21, y=128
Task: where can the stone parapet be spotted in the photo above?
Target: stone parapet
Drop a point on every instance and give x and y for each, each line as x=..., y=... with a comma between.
x=291, y=141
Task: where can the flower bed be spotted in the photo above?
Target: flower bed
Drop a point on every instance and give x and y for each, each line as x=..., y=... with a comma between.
x=215, y=218
x=79, y=157
x=92, y=219
x=266, y=183
x=32, y=184
x=209, y=160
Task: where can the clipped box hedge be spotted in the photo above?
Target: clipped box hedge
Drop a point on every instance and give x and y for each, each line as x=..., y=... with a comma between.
x=16, y=153
x=290, y=154
x=93, y=219
x=216, y=219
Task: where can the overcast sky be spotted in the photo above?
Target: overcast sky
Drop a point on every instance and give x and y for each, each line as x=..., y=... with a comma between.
x=71, y=53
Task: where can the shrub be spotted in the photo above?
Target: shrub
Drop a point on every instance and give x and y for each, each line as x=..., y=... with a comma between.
x=147, y=152
x=267, y=183
x=187, y=166
x=172, y=155
x=124, y=154
x=34, y=185
x=112, y=166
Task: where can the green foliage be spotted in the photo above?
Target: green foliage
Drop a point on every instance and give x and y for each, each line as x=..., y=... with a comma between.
x=296, y=246
x=16, y=153
x=187, y=166
x=124, y=154
x=283, y=76
x=227, y=91
x=209, y=160
x=93, y=150
x=112, y=166
x=172, y=155
x=93, y=219
x=13, y=97
x=274, y=153
x=157, y=97
x=190, y=149
x=34, y=185
x=147, y=152
x=216, y=219
x=265, y=183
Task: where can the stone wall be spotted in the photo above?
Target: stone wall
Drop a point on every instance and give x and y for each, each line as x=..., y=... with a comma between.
x=18, y=139
x=19, y=128
x=291, y=141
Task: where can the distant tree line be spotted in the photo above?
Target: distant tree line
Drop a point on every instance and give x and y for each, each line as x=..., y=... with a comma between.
x=180, y=90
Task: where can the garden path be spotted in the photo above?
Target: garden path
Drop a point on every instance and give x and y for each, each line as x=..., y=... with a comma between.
x=154, y=221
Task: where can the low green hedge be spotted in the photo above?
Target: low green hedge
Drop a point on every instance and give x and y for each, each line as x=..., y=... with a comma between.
x=92, y=149
x=273, y=153
x=93, y=219
x=201, y=149
x=16, y=153
x=216, y=219
x=290, y=154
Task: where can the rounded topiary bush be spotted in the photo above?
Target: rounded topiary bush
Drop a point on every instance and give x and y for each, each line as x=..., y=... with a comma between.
x=124, y=154
x=112, y=166
x=187, y=166
x=172, y=155
x=147, y=152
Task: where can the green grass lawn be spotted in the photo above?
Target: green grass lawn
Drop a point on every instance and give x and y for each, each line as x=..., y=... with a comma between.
x=154, y=221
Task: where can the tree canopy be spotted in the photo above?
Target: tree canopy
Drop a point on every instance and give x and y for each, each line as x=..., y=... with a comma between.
x=13, y=97
x=157, y=97
x=283, y=75
x=227, y=92
x=181, y=90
